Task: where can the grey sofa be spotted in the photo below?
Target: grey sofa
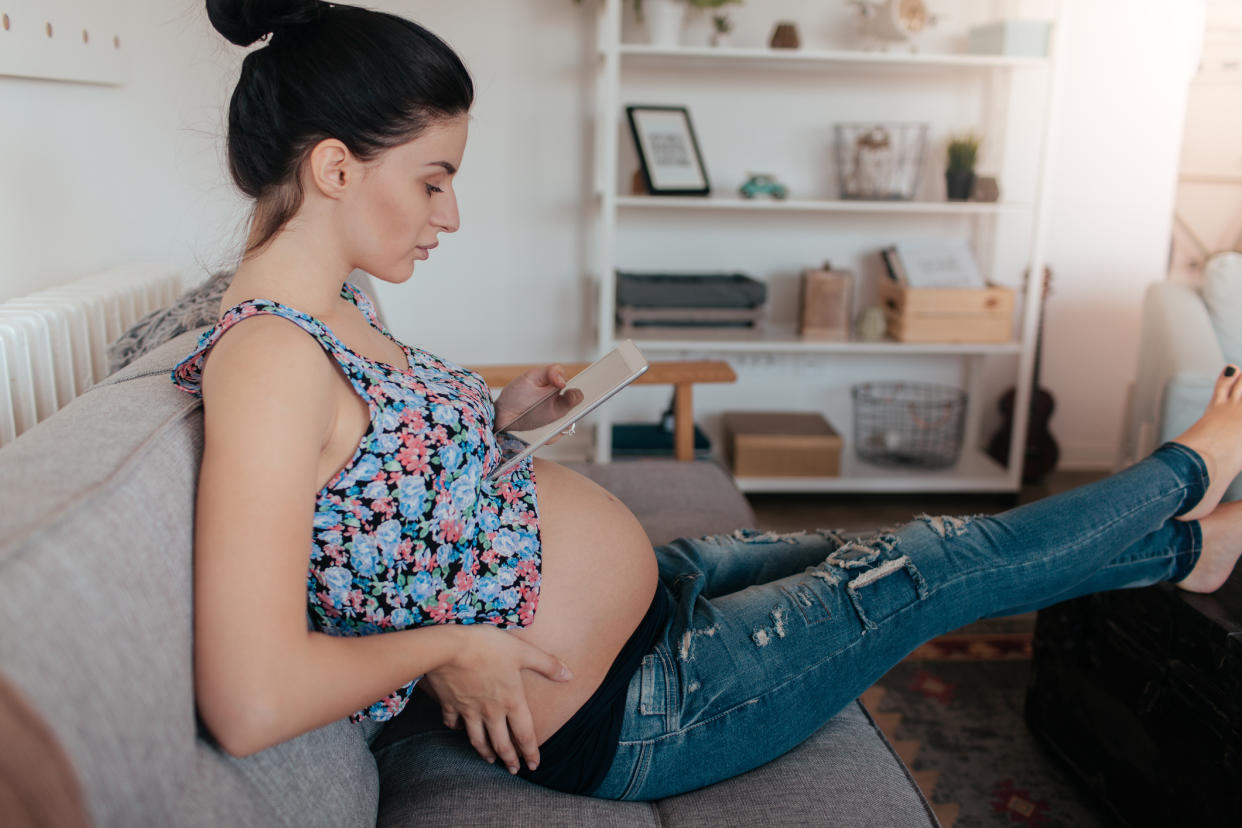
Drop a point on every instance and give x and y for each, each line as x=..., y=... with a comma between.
x=96, y=669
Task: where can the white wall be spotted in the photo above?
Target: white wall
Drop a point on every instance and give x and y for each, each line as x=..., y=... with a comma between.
x=98, y=176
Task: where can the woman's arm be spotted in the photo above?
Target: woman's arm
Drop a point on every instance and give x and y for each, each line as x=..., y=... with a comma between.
x=260, y=676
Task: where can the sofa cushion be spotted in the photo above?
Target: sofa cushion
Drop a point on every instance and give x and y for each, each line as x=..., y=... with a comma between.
x=674, y=499
x=847, y=774
x=1222, y=294
x=96, y=542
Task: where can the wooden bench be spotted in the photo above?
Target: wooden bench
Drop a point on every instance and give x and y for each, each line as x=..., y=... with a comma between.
x=681, y=375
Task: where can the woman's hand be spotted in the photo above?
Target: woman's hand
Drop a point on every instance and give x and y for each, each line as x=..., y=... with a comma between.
x=481, y=689
x=528, y=389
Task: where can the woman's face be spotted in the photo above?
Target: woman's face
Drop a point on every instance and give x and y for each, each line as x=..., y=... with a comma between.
x=405, y=200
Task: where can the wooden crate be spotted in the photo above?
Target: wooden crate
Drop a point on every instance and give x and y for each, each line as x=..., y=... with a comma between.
x=781, y=444
x=825, y=302
x=968, y=315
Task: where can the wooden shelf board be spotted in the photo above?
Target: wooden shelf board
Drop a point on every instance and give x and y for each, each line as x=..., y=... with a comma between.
x=947, y=208
x=974, y=472
x=778, y=57
x=784, y=339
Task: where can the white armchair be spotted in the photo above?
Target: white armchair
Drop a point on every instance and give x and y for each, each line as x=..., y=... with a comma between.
x=1188, y=335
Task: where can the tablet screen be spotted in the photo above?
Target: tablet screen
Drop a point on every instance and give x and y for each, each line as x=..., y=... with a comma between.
x=582, y=393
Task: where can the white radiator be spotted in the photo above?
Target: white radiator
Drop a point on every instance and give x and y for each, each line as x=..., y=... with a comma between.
x=54, y=343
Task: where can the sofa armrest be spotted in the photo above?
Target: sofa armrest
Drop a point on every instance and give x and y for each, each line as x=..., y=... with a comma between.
x=1179, y=358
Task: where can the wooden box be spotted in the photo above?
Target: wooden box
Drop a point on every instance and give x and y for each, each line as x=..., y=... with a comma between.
x=825, y=302
x=968, y=315
x=781, y=444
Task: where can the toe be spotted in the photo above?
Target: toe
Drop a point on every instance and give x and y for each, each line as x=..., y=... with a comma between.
x=1227, y=385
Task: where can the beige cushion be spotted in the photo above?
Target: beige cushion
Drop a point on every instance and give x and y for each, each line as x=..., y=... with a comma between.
x=1222, y=294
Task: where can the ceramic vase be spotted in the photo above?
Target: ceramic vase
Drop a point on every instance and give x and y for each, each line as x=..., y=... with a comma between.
x=665, y=19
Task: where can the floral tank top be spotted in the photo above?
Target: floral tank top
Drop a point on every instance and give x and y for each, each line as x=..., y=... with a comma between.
x=411, y=531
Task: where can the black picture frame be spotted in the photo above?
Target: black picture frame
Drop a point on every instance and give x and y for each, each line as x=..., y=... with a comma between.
x=668, y=151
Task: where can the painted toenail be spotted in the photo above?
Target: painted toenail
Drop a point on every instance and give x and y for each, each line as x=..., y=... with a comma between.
x=1230, y=371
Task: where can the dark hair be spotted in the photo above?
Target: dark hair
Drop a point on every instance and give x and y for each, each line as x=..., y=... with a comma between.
x=369, y=79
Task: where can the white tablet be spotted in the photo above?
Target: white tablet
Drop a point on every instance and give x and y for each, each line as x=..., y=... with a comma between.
x=582, y=394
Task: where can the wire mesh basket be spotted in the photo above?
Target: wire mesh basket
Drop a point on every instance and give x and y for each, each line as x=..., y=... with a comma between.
x=908, y=423
x=879, y=162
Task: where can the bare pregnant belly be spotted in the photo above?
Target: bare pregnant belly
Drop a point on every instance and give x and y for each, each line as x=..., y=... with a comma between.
x=599, y=576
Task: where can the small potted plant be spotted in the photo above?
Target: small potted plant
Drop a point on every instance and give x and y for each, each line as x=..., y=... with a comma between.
x=959, y=178
x=722, y=30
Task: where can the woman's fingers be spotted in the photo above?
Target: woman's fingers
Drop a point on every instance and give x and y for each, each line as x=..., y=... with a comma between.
x=556, y=374
x=498, y=732
x=478, y=738
x=522, y=726
x=545, y=664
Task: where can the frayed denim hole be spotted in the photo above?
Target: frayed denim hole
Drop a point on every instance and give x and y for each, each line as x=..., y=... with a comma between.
x=884, y=590
x=854, y=555
x=808, y=603
x=947, y=526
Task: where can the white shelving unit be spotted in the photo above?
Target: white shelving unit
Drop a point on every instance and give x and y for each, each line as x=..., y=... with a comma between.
x=975, y=471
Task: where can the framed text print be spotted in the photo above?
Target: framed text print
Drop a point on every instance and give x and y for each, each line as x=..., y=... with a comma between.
x=668, y=151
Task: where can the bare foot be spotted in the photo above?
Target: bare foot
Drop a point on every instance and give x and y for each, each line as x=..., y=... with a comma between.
x=1217, y=438
x=1222, y=544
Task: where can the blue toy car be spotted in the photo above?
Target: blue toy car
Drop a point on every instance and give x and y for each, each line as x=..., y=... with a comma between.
x=763, y=184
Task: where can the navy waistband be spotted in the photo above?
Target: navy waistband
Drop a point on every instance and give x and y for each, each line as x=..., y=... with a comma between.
x=576, y=758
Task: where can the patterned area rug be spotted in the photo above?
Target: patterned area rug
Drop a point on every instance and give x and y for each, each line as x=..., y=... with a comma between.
x=953, y=709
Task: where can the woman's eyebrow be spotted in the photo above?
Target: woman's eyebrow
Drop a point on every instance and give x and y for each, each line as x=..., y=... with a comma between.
x=451, y=169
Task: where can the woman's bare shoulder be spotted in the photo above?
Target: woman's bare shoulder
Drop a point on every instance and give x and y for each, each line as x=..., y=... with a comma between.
x=265, y=371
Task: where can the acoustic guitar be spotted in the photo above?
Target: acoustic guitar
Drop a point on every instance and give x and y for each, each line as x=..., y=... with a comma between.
x=1041, y=453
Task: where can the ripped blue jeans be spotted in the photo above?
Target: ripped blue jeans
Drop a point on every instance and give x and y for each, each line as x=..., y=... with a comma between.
x=771, y=635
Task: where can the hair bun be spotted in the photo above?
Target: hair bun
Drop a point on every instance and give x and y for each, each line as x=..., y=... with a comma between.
x=245, y=21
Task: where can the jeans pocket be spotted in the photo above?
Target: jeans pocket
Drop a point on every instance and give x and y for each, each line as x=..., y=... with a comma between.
x=657, y=694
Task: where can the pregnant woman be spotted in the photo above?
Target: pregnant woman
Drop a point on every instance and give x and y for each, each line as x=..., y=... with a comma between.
x=346, y=474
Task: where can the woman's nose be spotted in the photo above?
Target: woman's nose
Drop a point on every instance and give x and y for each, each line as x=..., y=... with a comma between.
x=447, y=218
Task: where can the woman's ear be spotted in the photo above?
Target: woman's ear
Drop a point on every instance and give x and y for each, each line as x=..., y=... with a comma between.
x=331, y=167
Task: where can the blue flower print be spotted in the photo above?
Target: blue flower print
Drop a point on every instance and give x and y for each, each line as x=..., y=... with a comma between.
x=387, y=442
x=326, y=520
x=507, y=543
x=463, y=492
x=386, y=421
x=446, y=554
x=366, y=468
x=363, y=556
x=444, y=414
x=412, y=493
x=388, y=535
x=422, y=587
x=400, y=618
x=509, y=598
x=450, y=456
x=375, y=490
x=489, y=521
x=337, y=578
x=487, y=589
